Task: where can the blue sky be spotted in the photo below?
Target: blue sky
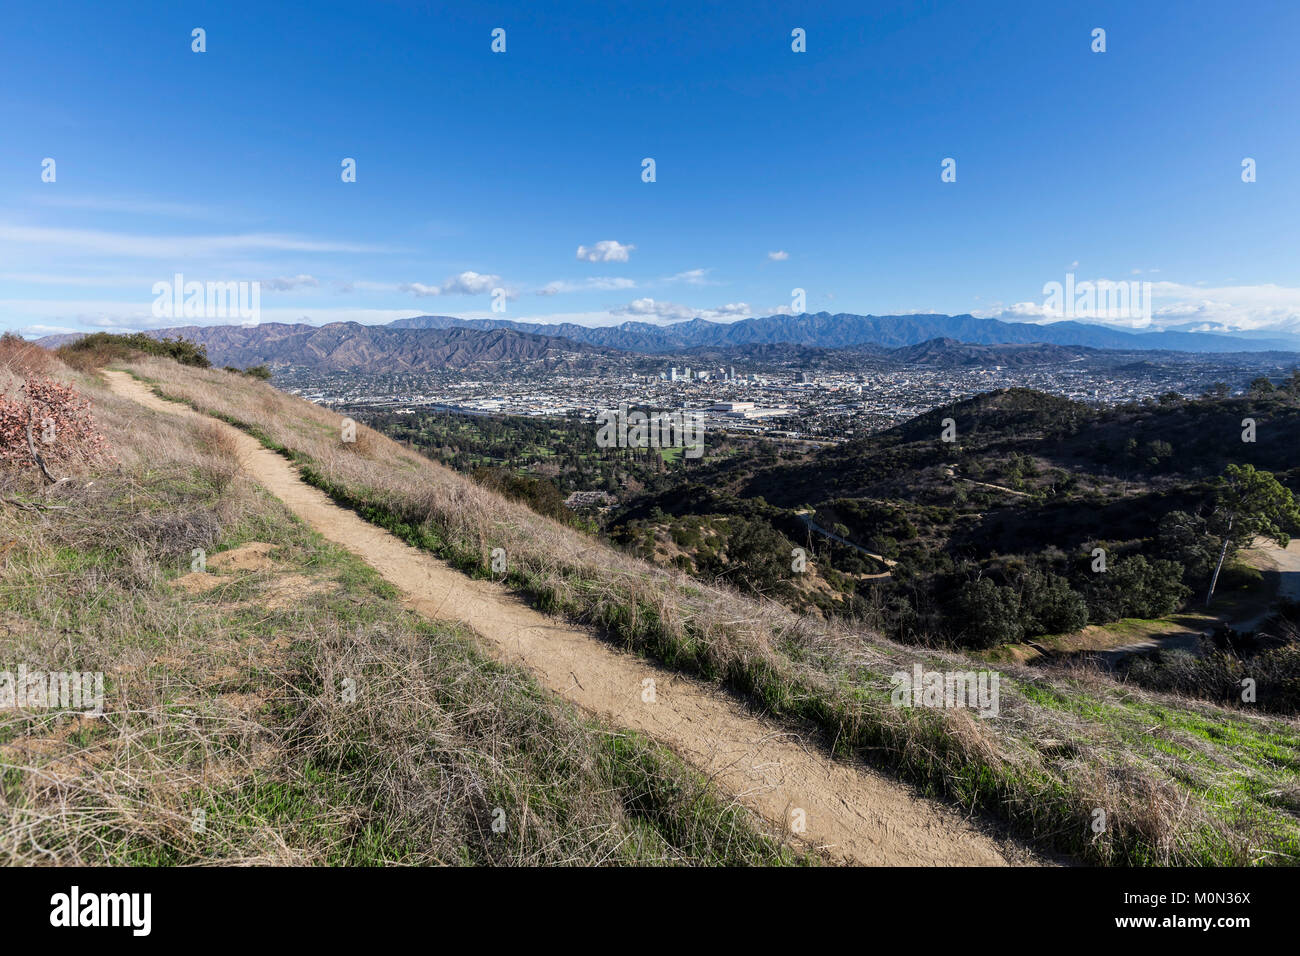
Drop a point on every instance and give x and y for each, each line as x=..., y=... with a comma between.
x=775, y=170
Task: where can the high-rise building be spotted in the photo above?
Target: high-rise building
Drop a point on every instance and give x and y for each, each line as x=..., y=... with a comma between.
x=672, y=374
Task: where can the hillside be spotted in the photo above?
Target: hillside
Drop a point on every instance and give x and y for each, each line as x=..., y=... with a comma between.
x=268, y=700
x=947, y=353
x=993, y=534
x=1064, y=745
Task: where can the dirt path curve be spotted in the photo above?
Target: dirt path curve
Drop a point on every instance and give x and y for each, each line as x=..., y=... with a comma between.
x=1270, y=559
x=855, y=813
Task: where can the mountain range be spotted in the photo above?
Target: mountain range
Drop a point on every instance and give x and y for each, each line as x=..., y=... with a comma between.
x=842, y=330
x=350, y=346
x=436, y=341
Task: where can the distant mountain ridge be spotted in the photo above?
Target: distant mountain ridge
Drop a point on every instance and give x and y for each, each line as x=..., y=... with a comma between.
x=843, y=330
x=439, y=341
x=350, y=346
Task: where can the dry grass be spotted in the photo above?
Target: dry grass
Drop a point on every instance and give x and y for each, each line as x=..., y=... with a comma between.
x=1179, y=781
x=227, y=736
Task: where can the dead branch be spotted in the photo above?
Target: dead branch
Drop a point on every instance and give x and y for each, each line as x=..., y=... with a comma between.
x=36, y=457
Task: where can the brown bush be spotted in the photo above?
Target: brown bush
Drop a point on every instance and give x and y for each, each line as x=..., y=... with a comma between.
x=22, y=358
x=48, y=424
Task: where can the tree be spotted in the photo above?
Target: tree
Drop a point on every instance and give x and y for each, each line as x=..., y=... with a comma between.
x=1132, y=586
x=1048, y=605
x=1185, y=540
x=990, y=613
x=1261, y=386
x=1250, y=504
x=758, y=558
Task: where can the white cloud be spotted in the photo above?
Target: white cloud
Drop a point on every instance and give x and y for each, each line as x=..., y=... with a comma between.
x=40, y=330
x=1241, y=307
x=648, y=308
x=779, y=256
x=466, y=283
x=1200, y=306
x=607, y=250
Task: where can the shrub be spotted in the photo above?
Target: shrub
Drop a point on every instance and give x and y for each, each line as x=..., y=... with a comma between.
x=23, y=358
x=100, y=348
x=59, y=423
x=1049, y=606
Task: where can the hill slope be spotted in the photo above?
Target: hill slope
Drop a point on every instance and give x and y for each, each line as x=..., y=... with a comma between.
x=1062, y=746
x=228, y=735
x=738, y=752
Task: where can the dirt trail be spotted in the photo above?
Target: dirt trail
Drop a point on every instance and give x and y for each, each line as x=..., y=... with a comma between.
x=1269, y=558
x=855, y=813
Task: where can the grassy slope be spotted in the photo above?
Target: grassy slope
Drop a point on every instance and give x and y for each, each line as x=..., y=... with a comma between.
x=1179, y=781
x=225, y=705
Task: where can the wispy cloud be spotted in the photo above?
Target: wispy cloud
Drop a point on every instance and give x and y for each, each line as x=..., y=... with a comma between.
x=116, y=280
x=693, y=277
x=171, y=247
x=142, y=207
x=779, y=256
x=595, y=283
x=289, y=283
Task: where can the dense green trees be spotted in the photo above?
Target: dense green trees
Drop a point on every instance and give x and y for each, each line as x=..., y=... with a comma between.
x=1135, y=586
